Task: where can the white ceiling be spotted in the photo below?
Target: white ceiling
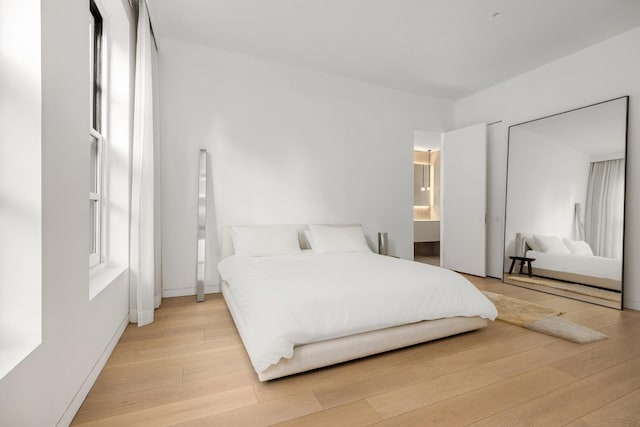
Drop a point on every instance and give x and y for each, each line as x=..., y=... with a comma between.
x=442, y=48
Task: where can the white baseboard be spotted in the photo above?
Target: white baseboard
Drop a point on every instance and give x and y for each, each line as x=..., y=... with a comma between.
x=631, y=304
x=181, y=292
x=82, y=393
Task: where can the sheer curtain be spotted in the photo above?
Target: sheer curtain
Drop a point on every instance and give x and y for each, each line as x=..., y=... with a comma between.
x=145, y=285
x=605, y=208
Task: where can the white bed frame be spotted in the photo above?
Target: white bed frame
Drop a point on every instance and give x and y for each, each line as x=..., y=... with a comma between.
x=325, y=353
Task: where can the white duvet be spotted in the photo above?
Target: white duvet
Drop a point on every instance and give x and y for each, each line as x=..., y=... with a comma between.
x=596, y=266
x=286, y=301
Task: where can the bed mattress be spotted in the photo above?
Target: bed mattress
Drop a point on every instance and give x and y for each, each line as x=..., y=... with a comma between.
x=288, y=301
x=595, y=266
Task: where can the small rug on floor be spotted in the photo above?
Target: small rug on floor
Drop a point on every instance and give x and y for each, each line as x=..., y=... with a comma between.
x=540, y=318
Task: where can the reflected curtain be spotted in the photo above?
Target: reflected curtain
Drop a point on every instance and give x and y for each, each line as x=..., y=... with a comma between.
x=145, y=284
x=604, y=213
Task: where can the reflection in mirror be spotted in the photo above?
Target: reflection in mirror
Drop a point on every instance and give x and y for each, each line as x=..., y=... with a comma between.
x=564, y=225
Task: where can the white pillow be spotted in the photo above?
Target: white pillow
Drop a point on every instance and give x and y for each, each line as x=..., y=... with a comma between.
x=531, y=241
x=265, y=240
x=578, y=247
x=328, y=239
x=551, y=245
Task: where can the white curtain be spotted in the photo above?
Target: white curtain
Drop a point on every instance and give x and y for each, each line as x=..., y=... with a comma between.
x=604, y=214
x=145, y=256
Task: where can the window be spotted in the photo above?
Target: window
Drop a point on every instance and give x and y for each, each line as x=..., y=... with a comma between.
x=96, y=138
x=109, y=136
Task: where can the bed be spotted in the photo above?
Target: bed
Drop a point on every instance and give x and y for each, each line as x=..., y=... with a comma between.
x=306, y=310
x=590, y=270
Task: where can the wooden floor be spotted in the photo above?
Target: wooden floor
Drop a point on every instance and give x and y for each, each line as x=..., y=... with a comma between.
x=189, y=368
x=428, y=259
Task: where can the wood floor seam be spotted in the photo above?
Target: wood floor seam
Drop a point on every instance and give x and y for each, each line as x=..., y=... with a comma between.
x=594, y=410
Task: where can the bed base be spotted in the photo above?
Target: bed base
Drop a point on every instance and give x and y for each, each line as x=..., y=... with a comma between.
x=330, y=352
x=581, y=279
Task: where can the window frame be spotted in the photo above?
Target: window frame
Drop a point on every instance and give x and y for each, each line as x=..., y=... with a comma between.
x=96, y=106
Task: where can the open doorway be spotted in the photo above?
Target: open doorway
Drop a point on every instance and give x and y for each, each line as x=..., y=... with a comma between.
x=426, y=197
x=450, y=198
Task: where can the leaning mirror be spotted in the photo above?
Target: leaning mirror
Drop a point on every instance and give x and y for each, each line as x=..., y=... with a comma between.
x=564, y=219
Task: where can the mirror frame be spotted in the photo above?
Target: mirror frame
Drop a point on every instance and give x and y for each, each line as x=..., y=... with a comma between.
x=626, y=180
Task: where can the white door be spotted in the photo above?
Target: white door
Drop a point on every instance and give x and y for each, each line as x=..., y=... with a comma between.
x=496, y=184
x=464, y=186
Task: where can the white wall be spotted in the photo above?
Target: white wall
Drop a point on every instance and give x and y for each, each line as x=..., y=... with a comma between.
x=604, y=71
x=286, y=145
x=424, y=140
x=20, y=181
x=543, y=203
x=48, y=386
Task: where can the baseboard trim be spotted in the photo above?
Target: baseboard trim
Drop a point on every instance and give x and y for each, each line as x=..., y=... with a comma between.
x=631, y=304
x=182, y=292
x=82, y=393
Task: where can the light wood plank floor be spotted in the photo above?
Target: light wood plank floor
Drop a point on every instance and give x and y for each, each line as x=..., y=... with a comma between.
x=189, y=368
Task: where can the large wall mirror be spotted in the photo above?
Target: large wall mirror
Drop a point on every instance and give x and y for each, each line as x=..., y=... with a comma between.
x=564, y=223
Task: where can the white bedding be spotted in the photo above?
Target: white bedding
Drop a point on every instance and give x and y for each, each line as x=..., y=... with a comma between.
x=595, y=266
x=286, y=301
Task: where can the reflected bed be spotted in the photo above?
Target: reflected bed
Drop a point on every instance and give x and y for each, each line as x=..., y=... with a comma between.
x=591, y=270
x=588, y=270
